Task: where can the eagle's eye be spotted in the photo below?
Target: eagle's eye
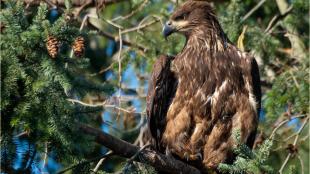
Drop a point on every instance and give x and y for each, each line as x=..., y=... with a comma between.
x=181, y=17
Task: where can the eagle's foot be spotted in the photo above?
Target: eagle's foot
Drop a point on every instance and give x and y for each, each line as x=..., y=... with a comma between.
x=168, y=152
x=192, y=157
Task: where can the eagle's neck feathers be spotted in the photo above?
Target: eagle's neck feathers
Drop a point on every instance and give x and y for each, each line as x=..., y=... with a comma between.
x=208, y=39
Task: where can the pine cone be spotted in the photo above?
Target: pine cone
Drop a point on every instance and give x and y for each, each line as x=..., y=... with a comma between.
x=52, y=46
x=78, y=46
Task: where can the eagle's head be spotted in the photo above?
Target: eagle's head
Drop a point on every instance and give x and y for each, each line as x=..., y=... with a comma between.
x=190, y=17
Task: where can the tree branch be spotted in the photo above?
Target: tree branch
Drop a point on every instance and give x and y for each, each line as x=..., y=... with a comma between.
x=298, y=47
x=127, y=150
x=125, y=42
x=294, y=144
x=77, y=3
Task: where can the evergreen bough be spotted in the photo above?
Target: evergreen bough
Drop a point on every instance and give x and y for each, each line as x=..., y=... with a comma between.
x=35, y=89
x=247, y=160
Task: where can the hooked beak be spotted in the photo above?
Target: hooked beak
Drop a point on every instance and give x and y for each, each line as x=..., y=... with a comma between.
x=168, y=29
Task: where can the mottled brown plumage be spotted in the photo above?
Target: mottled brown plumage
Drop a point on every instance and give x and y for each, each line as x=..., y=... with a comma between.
x=209, y=89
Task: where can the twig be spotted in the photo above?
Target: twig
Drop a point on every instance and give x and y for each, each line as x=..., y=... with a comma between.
x=133, y=12
x=119, y=68
x=127, y=150
x=79, y=9
x=24, y=134
x=294, y=144
x=276, y=18
x=113, y=24
x=294, y=79
x=52, y=4
x=253, y=10
x=101, y=161
x=305, y=137
x=137, y=154
x=139, y=27
x=301, y=164
x=297, y=45
x=87, y=104
x=282, y=123
x=103, y=104
x=45, y=154
x=285, y=162
x=77, y=3
x=125, y=42
x=84, y=162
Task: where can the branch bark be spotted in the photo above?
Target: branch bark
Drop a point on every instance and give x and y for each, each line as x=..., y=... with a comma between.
x=76, y=3
x=124, y=149
x=298, y=47
x=125, y=42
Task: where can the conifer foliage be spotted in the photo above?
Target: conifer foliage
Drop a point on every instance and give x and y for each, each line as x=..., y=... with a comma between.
x=35, y=88
x=248, y=161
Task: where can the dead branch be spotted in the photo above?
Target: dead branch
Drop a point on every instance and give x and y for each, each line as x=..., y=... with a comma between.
x=100, y=162
x=85, y=162
x=298, y=47
x=278, y=125
x=125, y=42
x=253, y=10
x=133, y=12
x=290, y=154
x=276, y=19
x=124, y=149
x=77, y=3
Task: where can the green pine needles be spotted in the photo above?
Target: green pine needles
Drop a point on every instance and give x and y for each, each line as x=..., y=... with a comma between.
x=247, y=160
x=35, y=88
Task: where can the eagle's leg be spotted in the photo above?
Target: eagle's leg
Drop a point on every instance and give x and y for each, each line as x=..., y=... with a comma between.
x=196, y=141
x=192, y=157
x=168, y=152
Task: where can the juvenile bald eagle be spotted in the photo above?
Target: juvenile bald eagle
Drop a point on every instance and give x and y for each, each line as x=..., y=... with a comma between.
x=197, y=98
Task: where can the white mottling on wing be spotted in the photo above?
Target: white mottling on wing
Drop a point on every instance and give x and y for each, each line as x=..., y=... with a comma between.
x=201, y=94
x=239, y=53
x=244, y=55
x=218, y=91
x=252, y=101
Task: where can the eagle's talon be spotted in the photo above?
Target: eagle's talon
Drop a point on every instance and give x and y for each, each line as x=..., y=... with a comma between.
x=168, y=152
x=186, y=155
x=198, y=156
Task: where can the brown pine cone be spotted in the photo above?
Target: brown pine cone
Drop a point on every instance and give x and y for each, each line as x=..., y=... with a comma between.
x=78, y=46
x=52, y=46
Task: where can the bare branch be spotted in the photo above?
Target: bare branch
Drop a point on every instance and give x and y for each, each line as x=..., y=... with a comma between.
x=77, y=3
x=294, y=144
x=139, y=27
x=101, y=161
x=253, y=10
x=84, y=162
x=125, y=42
x=105, y=105
x=301, y=164
x=277, y=18
x=282, y=123
x=119, y=60
x=133, y=12
x=127, y=150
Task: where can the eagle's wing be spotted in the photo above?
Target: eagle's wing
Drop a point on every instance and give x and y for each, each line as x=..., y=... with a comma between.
x=256, y=82
x=162, y=87
x=254, y=79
